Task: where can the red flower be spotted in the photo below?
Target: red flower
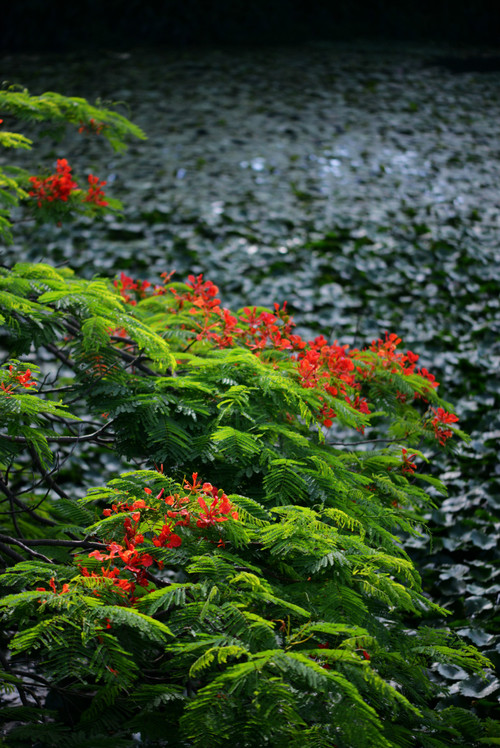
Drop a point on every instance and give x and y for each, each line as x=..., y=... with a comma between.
x=194, y=486
x=408, y=466
x=58, y=186
x=167, y=538
x=95, y=193
x=441, y=418
x=212, y=515
x=427, y=375
x=52, y=585
x=23, y=379
x=92, y=126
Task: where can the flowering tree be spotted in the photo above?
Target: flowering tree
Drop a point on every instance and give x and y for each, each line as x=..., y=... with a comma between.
x=242, y=581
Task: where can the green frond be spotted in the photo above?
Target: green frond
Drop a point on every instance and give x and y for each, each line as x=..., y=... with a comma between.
x=340, y=603
x=47, y=633
x=283, y=484
x=334, y=629
x=150, y=697
x=235, y=444
x=344, y=521
x=467, y=724
x=285, y=606
x=146, y=625
x=14, y=140
x=166, y=598
x=384, y=589
x=383, y=691
x=251, y=512
x=167, y=440
x=215, y=654
x=59, y=109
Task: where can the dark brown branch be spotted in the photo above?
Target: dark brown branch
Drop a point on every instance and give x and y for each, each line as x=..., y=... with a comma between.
x=61, y=439
x=22, y=544
x=12, y=554
x=54, y=542
x=13, y=513
x=10, y=495
x=20, y=689
x=136, y=361
x=59, y=354
x=364, y=441
x=157, y=581
x=47, y=477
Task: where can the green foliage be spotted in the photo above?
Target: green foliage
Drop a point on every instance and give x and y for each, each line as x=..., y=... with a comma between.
x=59, y=111
x=156, y=603
x=296, y=608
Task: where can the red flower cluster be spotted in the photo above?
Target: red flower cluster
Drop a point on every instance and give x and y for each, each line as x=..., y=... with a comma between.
x=125, y=285
x=58, y=186
x=397, y=362
x=95, y=193
x=441, y=418
x=22, y=378
x=52, y=585
x=408, y=466
x=92, y=127
x=137, y=560
x=333, y=368
x=219, y=511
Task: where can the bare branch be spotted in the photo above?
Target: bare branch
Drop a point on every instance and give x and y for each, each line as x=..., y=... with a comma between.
x=12, y=554
x=22, y=544
x=19, y=687
x=62, y=439
x=59, y=354
x=364, y=441
x=53, y=542
x=12, y=496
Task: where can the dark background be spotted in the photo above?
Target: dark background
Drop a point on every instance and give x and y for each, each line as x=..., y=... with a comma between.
x=31, y=25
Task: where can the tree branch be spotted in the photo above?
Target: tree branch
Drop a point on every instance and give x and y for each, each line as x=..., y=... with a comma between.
x=363, y=441
x=19, y=688
x=25, y=507
x=22, y=544
x=12, y=554
x=62, y=439
x=54, y=542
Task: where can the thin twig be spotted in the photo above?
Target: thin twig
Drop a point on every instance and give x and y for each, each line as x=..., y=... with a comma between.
x=46, y=476
x=20, y=689
x=364, y=441
x=25, y=507
x=61, y=439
